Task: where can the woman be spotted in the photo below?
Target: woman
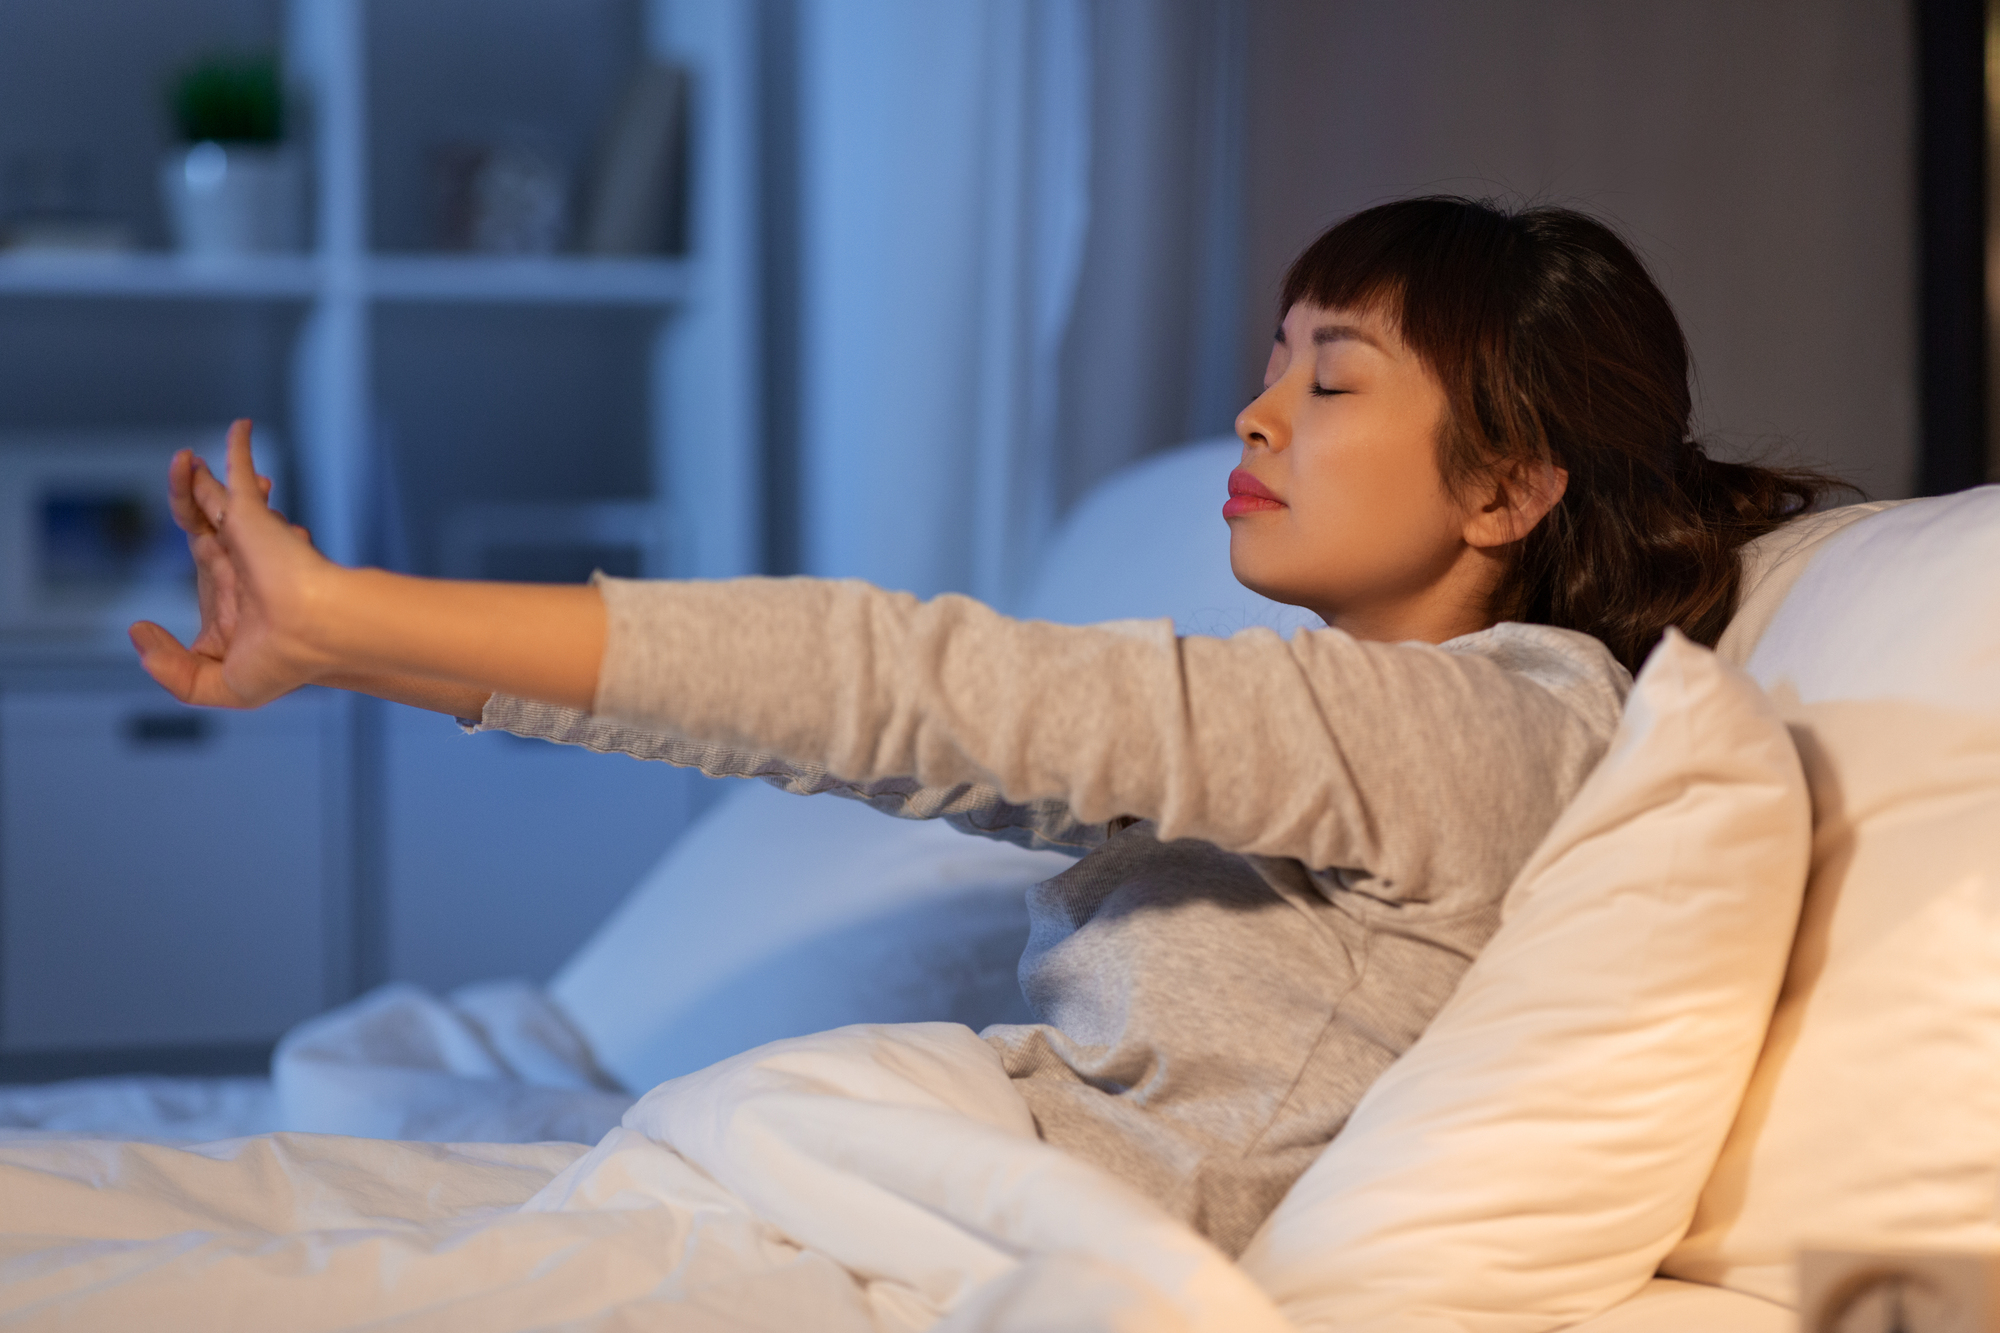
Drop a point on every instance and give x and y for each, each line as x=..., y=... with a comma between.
x=1471, y=458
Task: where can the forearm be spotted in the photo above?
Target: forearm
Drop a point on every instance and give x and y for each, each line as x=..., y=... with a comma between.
x=447, y=644
x=438, y=696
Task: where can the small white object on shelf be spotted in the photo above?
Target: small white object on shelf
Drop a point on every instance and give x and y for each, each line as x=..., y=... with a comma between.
x=521, y=203
x=234, y=199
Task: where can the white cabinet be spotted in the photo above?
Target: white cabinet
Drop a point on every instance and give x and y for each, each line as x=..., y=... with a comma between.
x=168, y=877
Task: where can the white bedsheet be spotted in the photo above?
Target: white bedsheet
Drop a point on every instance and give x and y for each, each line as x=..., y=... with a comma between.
x=495, y=1062
x=140, y=1107
x=867, y=1178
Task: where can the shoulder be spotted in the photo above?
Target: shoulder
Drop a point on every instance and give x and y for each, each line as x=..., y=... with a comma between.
x=1511, y=681
x=1574, y=667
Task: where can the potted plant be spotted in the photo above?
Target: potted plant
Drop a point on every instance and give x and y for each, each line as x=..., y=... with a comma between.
x=232, y=187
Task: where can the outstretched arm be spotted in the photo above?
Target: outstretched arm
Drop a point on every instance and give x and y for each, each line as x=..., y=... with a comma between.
x=1421, y=764
x=278, y=615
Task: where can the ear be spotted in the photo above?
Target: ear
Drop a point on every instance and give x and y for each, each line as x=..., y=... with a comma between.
x=1519, y=494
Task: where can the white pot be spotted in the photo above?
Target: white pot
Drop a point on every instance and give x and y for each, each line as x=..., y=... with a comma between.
x=234, y=199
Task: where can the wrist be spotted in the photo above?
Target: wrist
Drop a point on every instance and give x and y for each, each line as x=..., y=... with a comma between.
x=331, y=634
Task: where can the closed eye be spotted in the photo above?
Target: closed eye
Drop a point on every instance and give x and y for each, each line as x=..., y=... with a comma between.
x=1321, y=391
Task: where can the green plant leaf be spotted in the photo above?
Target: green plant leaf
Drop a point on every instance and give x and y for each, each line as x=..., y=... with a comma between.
x=230, y=99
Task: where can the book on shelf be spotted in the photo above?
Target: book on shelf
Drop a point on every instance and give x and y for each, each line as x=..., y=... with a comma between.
x=635, y=198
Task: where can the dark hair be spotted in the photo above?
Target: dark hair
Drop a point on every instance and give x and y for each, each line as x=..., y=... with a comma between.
x=1554, y=344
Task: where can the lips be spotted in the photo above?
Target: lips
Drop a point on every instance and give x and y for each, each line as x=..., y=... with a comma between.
x=1247, y=495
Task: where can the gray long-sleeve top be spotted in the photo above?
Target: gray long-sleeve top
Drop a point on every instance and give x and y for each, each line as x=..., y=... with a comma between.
x=1291, y=848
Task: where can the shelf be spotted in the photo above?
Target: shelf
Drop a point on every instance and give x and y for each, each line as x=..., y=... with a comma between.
x=563, y=280
x=260, y=278
x=431, y=402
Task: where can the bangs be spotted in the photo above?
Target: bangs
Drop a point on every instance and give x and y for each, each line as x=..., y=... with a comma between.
x=1424, y=255
x=1336, y=277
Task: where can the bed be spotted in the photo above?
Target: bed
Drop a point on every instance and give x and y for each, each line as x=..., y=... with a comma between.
x=701, y=1122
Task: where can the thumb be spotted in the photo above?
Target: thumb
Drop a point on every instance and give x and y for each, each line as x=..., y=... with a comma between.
x=164, y=659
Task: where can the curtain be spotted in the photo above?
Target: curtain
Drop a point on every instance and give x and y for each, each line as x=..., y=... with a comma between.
x=1016, y=257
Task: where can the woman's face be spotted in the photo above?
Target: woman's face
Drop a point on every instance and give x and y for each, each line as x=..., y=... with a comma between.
x=1339, y=506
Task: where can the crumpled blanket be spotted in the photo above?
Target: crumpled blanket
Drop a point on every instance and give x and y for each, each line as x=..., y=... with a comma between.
x=141, y=1106
x=870, y=1178
x=495, y=1062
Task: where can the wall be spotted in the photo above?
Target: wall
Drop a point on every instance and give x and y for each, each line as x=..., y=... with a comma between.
x=1759, y=155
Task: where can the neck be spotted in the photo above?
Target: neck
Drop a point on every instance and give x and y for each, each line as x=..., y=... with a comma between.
x=1456, y=603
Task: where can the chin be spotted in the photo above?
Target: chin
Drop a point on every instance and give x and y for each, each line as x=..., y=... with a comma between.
x=1261, y=582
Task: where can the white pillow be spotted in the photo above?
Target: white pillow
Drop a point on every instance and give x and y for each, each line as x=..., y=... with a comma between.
x=1538, y=1150
x=1874, y=1114
x=778, y=915
x=1772, y=565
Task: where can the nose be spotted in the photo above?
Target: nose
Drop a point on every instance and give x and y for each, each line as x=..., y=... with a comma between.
x=1262, y=425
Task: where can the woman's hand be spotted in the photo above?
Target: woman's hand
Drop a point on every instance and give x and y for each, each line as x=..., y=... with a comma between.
x=276, y=614
x=258, y=580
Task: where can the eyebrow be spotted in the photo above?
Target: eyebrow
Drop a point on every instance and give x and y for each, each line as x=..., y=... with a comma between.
x=1333, y=333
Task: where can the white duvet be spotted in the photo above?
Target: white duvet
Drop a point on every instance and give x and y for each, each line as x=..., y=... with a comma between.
x=880, y=1177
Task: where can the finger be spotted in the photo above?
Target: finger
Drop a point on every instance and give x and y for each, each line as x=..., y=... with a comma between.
x=264, y=484
x=189, y=677
x=161, y=654
x=211, y=557
x=210, y=499
x=180, y=493
x=243, y=476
